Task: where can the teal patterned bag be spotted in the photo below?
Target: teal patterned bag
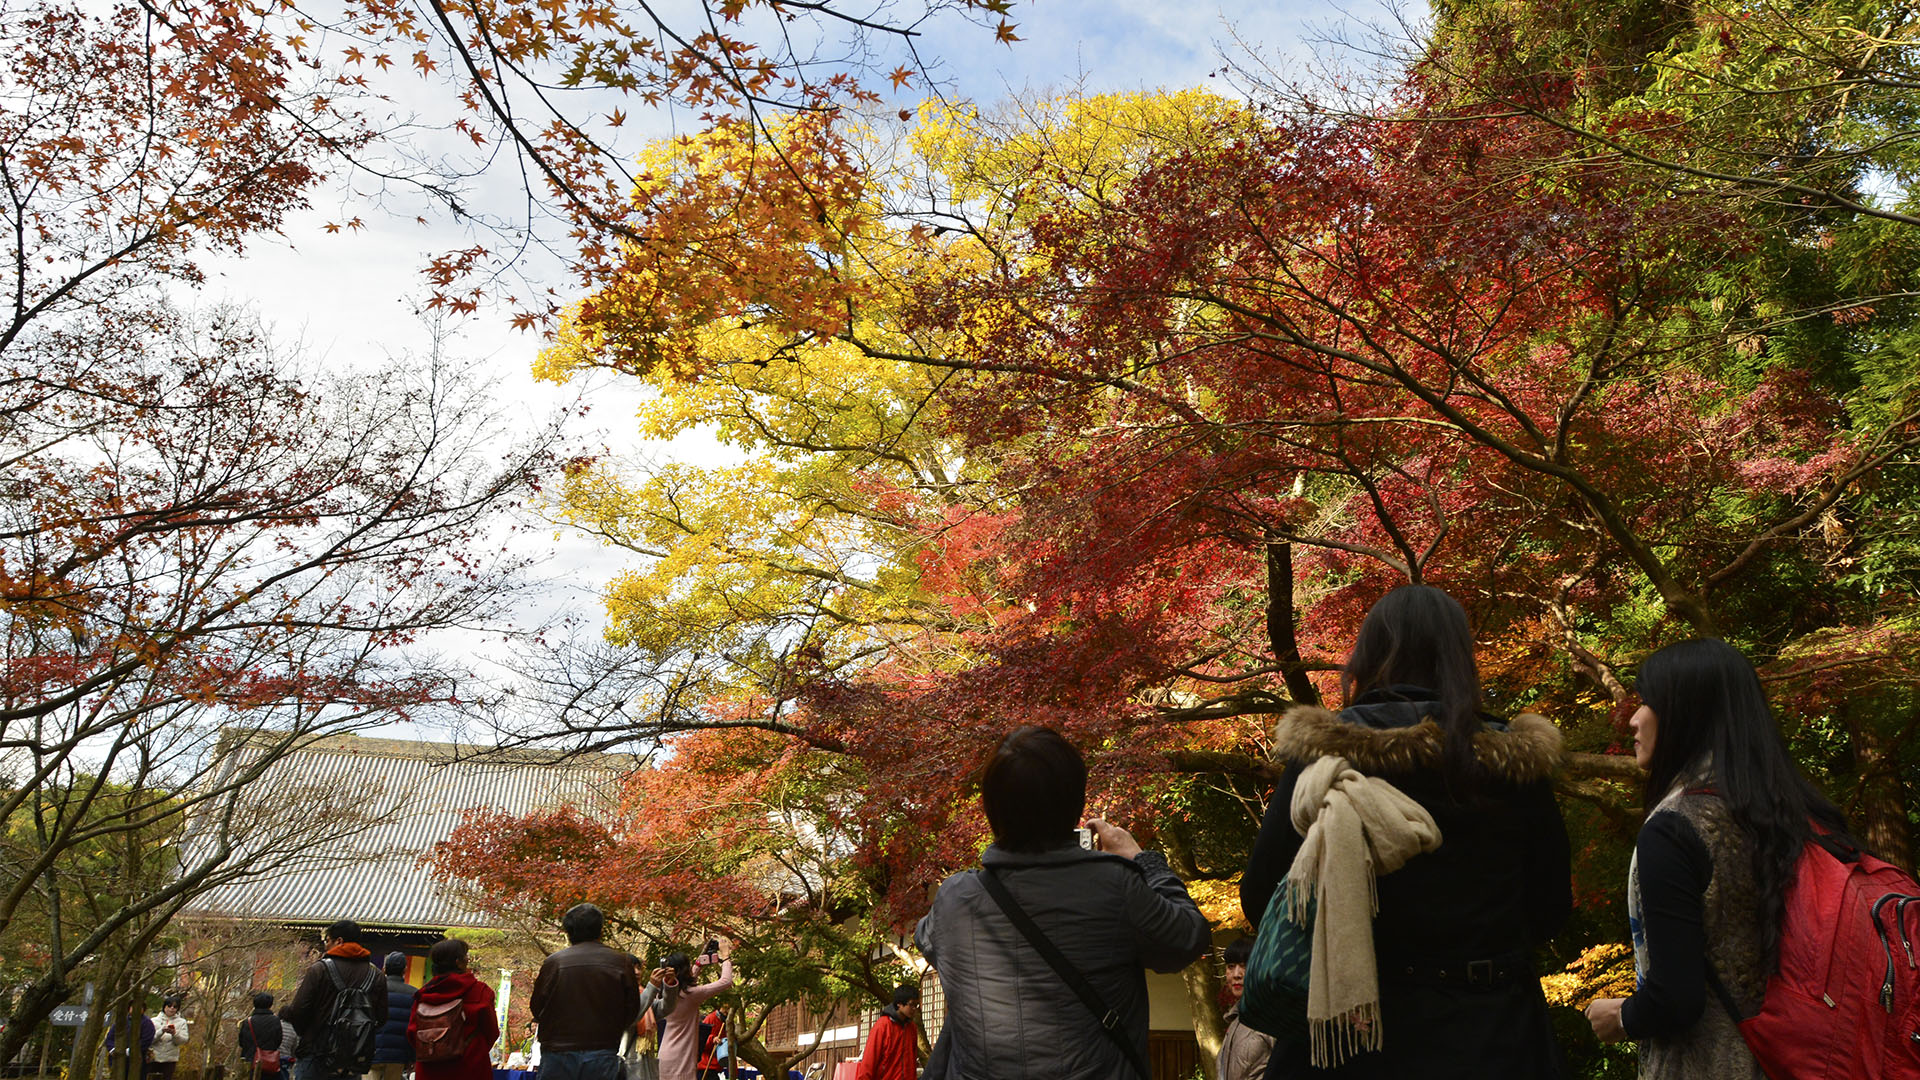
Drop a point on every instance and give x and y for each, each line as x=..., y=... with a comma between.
x=1275, y=998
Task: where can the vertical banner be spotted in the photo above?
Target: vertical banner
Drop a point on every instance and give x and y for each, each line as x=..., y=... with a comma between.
x=502, y=1002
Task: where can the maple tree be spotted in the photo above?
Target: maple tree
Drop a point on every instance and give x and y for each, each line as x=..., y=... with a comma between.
x=198, y=537
x=1116, y=414
x=740, y=836
x=546, y=87
x=198, y=533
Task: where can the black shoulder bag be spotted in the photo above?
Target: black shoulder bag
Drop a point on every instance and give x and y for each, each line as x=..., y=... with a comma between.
x=1109, y=1018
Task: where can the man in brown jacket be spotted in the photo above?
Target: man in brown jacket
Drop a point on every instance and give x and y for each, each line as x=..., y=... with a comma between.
x=584, y=999
x=330, y=1045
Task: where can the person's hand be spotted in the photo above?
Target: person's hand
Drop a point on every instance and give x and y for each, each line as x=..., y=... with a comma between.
x=1604, y=1015
x=726, y=946
x=659, y=977
x=1113, y=839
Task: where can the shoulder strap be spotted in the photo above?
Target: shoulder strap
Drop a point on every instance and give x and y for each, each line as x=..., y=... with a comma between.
x=1109, y=1019
x=1726, y=996
x=333, y=972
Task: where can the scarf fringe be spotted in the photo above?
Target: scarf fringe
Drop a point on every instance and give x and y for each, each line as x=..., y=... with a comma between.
x=1342, y=1037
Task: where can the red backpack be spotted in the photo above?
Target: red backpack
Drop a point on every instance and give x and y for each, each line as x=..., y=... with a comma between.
x=1845, y=1004
x=441, y=1030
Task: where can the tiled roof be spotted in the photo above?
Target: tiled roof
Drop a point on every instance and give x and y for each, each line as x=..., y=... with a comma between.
x=421, y=791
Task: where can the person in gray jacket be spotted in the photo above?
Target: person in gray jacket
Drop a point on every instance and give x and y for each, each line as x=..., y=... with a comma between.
x=1112, y=913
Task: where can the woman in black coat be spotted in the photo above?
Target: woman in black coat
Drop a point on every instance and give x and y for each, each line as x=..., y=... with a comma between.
x=1459, y=996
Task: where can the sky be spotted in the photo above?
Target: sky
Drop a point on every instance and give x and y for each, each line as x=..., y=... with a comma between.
x=351, y=298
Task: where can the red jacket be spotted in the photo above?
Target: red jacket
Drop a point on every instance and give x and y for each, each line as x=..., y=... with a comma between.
x=716, y=1026
x=891, y=1051
x=474, y=1064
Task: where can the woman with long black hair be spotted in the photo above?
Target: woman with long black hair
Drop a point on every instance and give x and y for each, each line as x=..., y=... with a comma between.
x=1727, y=817
x=1456, y=991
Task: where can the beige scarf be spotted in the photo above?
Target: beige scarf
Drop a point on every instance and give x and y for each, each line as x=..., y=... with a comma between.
x=1356, y=826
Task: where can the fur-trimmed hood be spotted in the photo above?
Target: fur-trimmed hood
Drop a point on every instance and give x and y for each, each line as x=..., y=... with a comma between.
x=1526, y=751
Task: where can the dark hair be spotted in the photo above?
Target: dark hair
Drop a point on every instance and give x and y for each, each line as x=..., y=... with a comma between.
x=1707, y=702
x=263, y=1000
x=583, y=922
x=1417, y=635
x=905, y=994
x=1034, y=790
x=396, y=963
x=344, y=930
x=682, y=966
x=448, y=955
x=1239, y=951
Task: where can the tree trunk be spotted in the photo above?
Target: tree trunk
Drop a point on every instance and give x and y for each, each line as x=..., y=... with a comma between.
x=1280, y=627
x=30, y=1010
x=1203, y=1000
x=1882, y=799
x=86, y=1038
x=1202, y=981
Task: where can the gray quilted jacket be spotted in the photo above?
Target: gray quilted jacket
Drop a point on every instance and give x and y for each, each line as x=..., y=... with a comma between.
x=1009, y=1017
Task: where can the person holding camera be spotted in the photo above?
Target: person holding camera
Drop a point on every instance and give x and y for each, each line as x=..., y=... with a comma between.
x=1043, y=951
x=680, y=1043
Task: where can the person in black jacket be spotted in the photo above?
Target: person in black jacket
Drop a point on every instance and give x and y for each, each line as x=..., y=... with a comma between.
x=1456, y=926
x=392, y=1051
x=312, y=1006
x=261, y=1031
x=1728, y=816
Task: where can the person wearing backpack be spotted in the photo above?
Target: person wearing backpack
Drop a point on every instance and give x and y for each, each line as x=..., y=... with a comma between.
x=1728, y=819
x=338, y=1007
x=452, y=1027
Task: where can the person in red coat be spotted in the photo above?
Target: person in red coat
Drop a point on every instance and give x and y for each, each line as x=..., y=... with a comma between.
x=892, y=1048
x=453, y=982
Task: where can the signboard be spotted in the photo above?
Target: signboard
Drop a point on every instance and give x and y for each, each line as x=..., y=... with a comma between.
x=68, y=1015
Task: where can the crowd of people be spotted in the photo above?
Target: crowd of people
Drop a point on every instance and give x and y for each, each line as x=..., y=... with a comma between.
x=1413, y=845
x=1414, y=849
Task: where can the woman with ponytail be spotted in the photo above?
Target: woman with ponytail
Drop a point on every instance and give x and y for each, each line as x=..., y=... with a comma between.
x=1451, y=975
x=1727, y=817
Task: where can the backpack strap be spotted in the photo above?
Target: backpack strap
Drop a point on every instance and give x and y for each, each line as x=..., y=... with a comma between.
x=1109, y=1018
x=1726, y=996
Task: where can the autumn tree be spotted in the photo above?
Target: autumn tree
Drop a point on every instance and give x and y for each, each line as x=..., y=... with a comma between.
x=735, y=834
x=545, y=93
x=1191, y=405
x=223, y=544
